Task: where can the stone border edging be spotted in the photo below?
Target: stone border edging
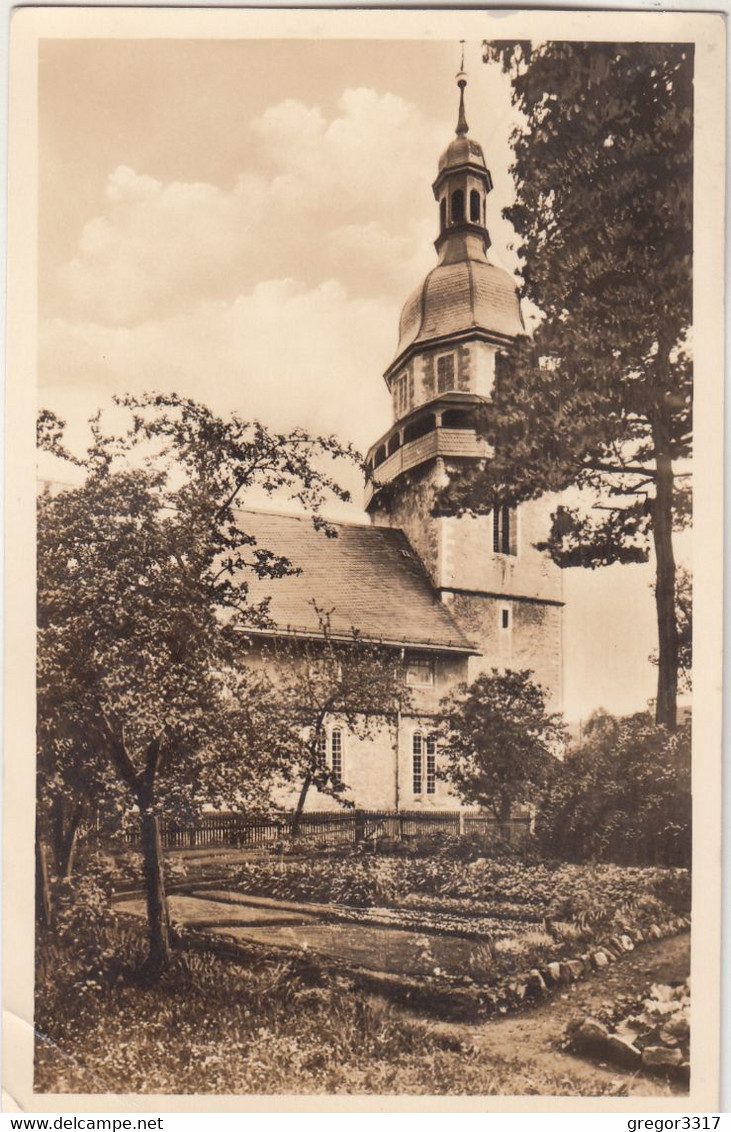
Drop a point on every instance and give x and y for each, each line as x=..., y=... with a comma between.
x=542, y=980
x=451, y=999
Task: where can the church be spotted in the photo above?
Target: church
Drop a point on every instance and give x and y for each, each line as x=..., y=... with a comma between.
x=456, y=596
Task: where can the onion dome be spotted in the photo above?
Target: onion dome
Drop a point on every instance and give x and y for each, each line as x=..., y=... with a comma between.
x=465, y=294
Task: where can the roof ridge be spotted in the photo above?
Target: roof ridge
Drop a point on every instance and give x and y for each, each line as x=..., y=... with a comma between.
x=302, y=516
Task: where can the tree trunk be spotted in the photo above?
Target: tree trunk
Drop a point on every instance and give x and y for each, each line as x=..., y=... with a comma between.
x=504, y=810
x=297, y=818
x=158, y=920
x=667, y=626
x=65, y=834
x=43, y=887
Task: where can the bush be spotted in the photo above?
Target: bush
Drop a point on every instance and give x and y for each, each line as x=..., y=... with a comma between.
x=624, y=796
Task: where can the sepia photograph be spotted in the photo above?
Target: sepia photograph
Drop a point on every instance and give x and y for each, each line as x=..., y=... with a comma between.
x=367, y=746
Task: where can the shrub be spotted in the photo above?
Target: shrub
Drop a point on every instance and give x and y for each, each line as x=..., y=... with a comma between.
x=623, y=796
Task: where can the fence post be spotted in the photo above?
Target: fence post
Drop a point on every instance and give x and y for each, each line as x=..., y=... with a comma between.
x=460, y=825
x=359, y=825
x=400, y=827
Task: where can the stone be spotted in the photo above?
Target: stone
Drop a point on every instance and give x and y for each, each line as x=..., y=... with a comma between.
x=575, y=968
x=621, y=1048
x=655, y=932
x=627, y=943
x=639, y=937
x=600, y=959
x=658, y=1057
x=536, y=982
x=616, y=943
x=591, y=1035
x=553, y=970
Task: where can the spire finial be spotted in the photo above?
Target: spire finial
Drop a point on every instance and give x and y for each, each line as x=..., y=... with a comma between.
x=462, y=126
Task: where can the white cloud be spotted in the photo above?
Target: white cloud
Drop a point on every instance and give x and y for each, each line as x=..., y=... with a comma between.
x=316, y=198
x=284, y=353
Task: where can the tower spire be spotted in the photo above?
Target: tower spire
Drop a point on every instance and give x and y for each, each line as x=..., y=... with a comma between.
x=462, y=126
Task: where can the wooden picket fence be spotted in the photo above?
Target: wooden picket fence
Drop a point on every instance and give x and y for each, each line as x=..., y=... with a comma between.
x=216, y=830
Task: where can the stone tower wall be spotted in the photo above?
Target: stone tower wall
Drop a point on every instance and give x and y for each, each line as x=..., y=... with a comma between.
x=479, y=586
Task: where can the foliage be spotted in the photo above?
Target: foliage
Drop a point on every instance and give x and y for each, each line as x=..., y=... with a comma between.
x=600, y=397
x=502, y=888
x=624, y=795
x=499, y=741
x=143, y=574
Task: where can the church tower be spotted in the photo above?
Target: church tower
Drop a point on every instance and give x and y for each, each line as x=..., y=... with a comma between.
x=505, y=595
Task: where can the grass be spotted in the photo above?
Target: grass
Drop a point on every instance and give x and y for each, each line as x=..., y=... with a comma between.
x=210, y=1026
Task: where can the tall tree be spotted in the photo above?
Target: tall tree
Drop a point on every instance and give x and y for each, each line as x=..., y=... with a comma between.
x=600, y=398
x=499, y=742
x=327, y=685
x=142, y=593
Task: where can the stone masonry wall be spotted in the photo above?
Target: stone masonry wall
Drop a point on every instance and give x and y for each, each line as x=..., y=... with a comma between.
x=469, y=562
x=532, y=639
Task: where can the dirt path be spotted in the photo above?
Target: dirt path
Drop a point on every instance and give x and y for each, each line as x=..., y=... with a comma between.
x=532, y=1037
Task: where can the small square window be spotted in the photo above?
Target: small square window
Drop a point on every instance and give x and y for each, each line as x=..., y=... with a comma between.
x=419, y=673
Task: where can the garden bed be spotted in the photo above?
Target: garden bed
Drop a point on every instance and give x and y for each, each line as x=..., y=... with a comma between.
x=502, y=888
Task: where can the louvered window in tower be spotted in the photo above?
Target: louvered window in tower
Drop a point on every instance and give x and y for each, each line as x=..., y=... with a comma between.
x=504, y=530
x=445, y=373
x=457, y=206
x=475, y=206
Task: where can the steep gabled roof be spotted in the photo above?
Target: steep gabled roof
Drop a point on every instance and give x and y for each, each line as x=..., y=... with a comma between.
x=367, y=578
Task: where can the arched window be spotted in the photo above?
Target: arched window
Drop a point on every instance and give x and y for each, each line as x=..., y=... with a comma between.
x=336, y=754
x=431, y=765
x=443, y=213
x=475, y=206
x=424, y=763
x=380, y=456
x=394, y=444
x=457, y=206
x=417, y=762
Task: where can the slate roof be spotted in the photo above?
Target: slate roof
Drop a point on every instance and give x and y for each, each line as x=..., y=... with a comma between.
x=468, y=294
x=369, y=577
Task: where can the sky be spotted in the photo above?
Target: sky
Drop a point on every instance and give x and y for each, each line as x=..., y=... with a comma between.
x=241, y=221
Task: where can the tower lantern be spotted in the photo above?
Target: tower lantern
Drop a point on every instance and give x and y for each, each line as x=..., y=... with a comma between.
x=462, y=183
